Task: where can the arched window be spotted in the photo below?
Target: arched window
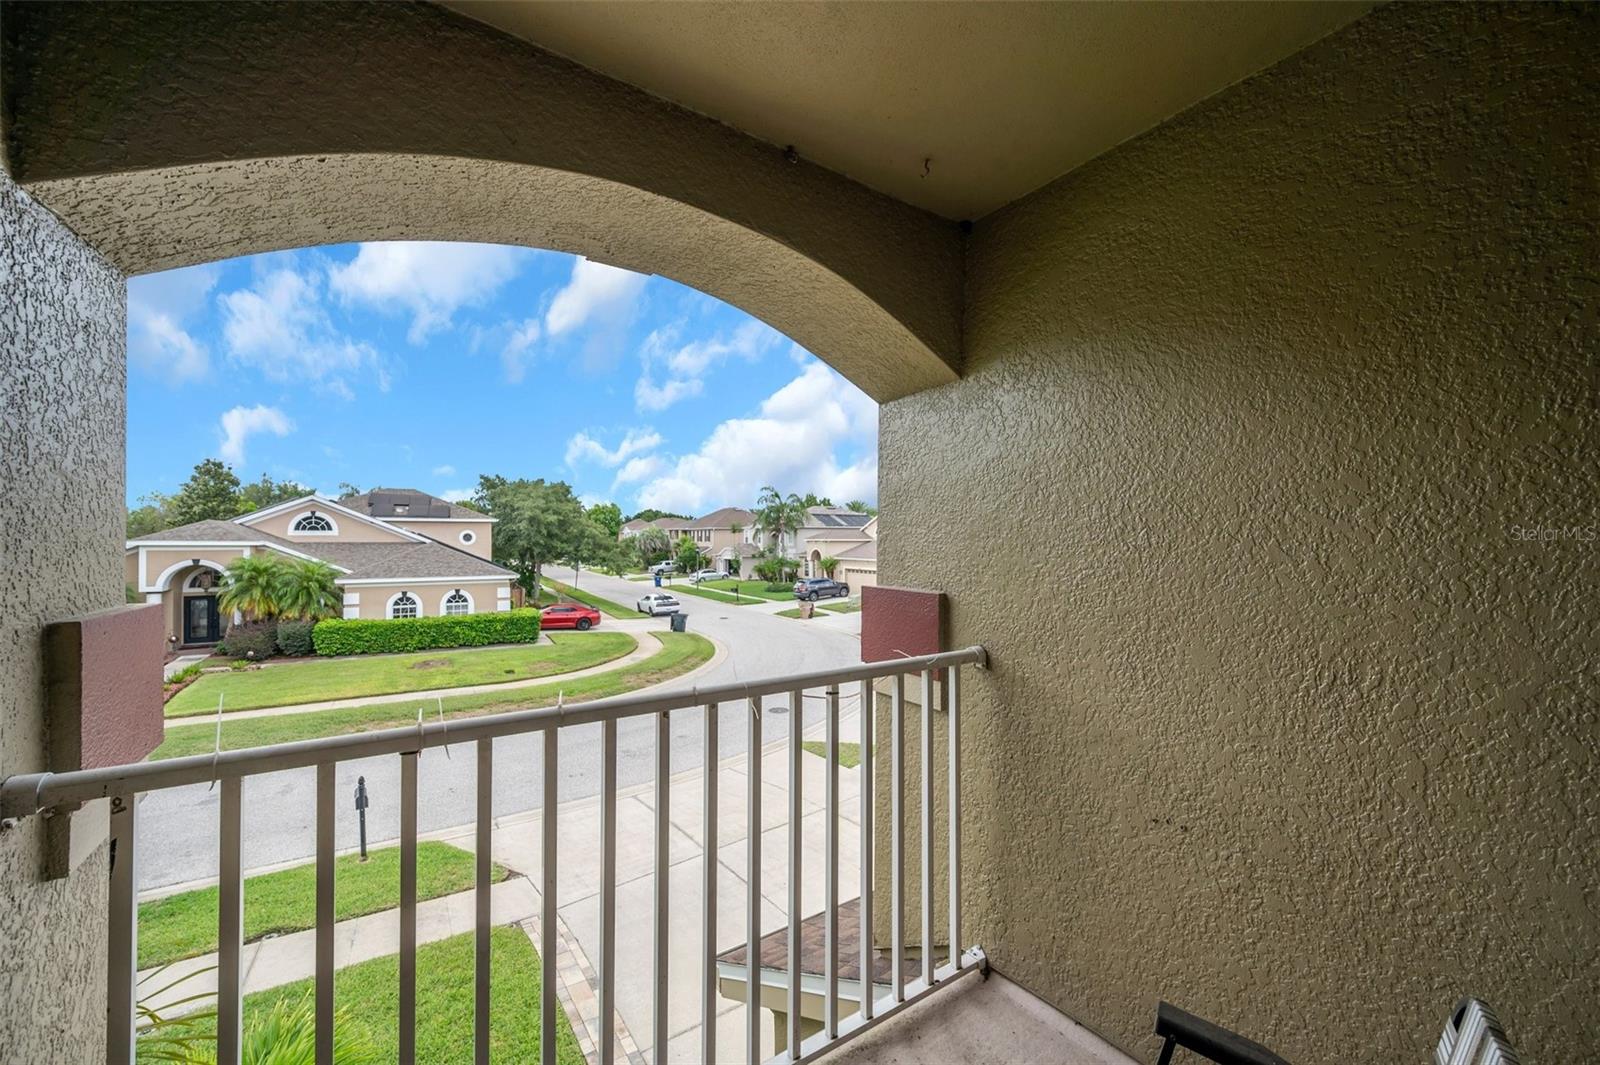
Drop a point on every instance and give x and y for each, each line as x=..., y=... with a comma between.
x=404, y=605
x=312, y=522
x=206, y=580
x=457, y=602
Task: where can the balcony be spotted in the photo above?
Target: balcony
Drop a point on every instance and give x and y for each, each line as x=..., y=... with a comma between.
x=822, y=980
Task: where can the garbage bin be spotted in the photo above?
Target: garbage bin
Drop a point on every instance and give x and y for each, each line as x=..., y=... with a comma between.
x=658, y=578
x=680, y=622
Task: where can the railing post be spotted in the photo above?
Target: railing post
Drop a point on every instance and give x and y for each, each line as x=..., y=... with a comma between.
x=753, y=882
x=927, y=826
x=708, y=841
x=549, y=975
x=122, y=939
x=407, y=1050
x=663, y=801
x=608, y=891
x=483, y=847
x=796, y=900
x=325, y=912
x=897, y=836
x=868, y=956
x=953, y=692
x=230, y=925
x=830, y=903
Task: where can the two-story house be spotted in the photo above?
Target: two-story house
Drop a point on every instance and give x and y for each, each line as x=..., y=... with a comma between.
x=399, y=553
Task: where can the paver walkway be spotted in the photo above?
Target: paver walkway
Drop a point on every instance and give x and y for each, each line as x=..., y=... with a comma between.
x=646, y=646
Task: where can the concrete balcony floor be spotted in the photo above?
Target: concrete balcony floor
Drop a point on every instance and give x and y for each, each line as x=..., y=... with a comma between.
x=991, y=1021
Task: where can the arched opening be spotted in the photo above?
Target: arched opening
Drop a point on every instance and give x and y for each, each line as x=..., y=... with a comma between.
x=199, y=621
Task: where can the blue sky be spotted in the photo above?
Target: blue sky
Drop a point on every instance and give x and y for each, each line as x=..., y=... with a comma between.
x=425, y=364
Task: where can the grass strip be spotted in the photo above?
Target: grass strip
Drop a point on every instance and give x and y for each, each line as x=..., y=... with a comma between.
x=850, y=607
x=756, y=587
x=369, y=992
x=605, y=606
x=290, y=683
x=285, y=900
x=849, y=753
x=680, y=652
x=722, y=597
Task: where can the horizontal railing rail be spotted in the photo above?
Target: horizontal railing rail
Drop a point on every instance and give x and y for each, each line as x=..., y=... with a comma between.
x=29, y=794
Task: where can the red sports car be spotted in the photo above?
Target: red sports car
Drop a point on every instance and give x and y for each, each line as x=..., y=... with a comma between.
x=569, y=616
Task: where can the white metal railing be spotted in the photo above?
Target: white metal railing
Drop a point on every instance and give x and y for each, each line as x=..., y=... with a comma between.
x=26, y=795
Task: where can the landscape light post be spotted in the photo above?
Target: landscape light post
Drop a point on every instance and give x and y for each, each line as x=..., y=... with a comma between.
x=361, y=812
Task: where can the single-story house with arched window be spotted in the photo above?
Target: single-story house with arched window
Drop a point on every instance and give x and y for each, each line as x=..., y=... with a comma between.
x=398, y=552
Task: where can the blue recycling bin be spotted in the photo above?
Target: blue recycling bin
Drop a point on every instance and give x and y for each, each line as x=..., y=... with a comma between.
x=658, y=578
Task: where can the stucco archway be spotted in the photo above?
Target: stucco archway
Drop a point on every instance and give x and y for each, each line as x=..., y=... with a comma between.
x=300, y=125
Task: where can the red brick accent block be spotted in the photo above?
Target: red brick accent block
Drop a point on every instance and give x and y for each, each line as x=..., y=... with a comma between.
x=901, y=622
x=103, y=677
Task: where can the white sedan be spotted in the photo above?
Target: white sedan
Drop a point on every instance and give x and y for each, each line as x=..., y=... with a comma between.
x=657, y=603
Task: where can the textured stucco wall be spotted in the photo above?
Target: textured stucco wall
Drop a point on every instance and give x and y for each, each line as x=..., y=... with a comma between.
x=168, y=134
x=61, y=472
x=1286, y=723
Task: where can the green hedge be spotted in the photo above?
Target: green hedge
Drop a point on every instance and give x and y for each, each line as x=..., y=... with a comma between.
x=294, y=636
x=366, y=637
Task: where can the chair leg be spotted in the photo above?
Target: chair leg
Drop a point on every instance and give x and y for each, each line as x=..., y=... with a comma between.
x=1166, y=1052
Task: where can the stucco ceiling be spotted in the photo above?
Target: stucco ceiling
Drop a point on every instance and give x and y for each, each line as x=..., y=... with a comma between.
x=957, y=107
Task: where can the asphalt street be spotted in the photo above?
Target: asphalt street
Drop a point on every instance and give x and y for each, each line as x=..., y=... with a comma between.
x=178, y=828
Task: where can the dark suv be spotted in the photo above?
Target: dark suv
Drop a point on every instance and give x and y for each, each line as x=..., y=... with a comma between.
x=819, y=588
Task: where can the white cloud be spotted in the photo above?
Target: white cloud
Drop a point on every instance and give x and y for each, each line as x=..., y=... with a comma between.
x=456, y=495
x=278, y=326
x=159, y=306
x=430, y=280
x=585, y=448
x=444, y=471
x=795, y=442
x=594, y=289
x=683, y=366
x=640, y=469
x=515, y=355
x=240, y=423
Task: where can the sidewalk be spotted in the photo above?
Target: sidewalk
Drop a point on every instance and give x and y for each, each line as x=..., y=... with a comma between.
x=516, y=845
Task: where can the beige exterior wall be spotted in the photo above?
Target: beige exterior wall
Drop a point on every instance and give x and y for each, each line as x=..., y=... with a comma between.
x=1298, y=728
x=449, y=532
x=374, y=598
x=160, y=559
x=857, y=575
x=63, y=386
x=353, y=530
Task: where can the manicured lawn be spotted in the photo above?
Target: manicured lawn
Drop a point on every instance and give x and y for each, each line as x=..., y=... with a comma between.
x=369, y=992
x=184, y=925
x=851, y=606
x=756, y=587
x=705, y=591
x=605, y=606
x=849, y=753
x=680, y=652
x=352, y=678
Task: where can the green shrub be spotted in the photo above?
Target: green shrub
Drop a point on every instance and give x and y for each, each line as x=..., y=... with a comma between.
x=365, y=637
x=294, y=637
x=255, y=640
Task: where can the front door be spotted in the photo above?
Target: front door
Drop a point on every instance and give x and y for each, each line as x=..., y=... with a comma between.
x=200, y=619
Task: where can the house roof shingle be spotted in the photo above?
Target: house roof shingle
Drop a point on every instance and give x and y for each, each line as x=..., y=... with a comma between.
x=385, y=503
x=210, y=531
x=722, y=519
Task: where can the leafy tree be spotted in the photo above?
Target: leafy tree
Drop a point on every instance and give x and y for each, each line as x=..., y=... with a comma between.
x=153, y=514
x=308, y=589
x=595, y=545
x=653, y=543
x=211, y=492
x=252, y=586
x=258, y=495
x=539, y=522
x=346, y=490
x=828, y=565
x=652, y=514
x=813, y=500
x=687, y=554
x=861, y=506
x=608, y=516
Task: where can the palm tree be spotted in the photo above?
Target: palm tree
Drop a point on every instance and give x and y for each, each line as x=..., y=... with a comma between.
x=828, y=565
x=308, y=589
x=779, y=516
x=251, y=587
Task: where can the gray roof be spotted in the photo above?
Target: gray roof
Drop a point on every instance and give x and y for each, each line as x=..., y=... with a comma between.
x=384, y=561
x=721, y=519
x=209, y=531
x=386, y=503
x=866, y=551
